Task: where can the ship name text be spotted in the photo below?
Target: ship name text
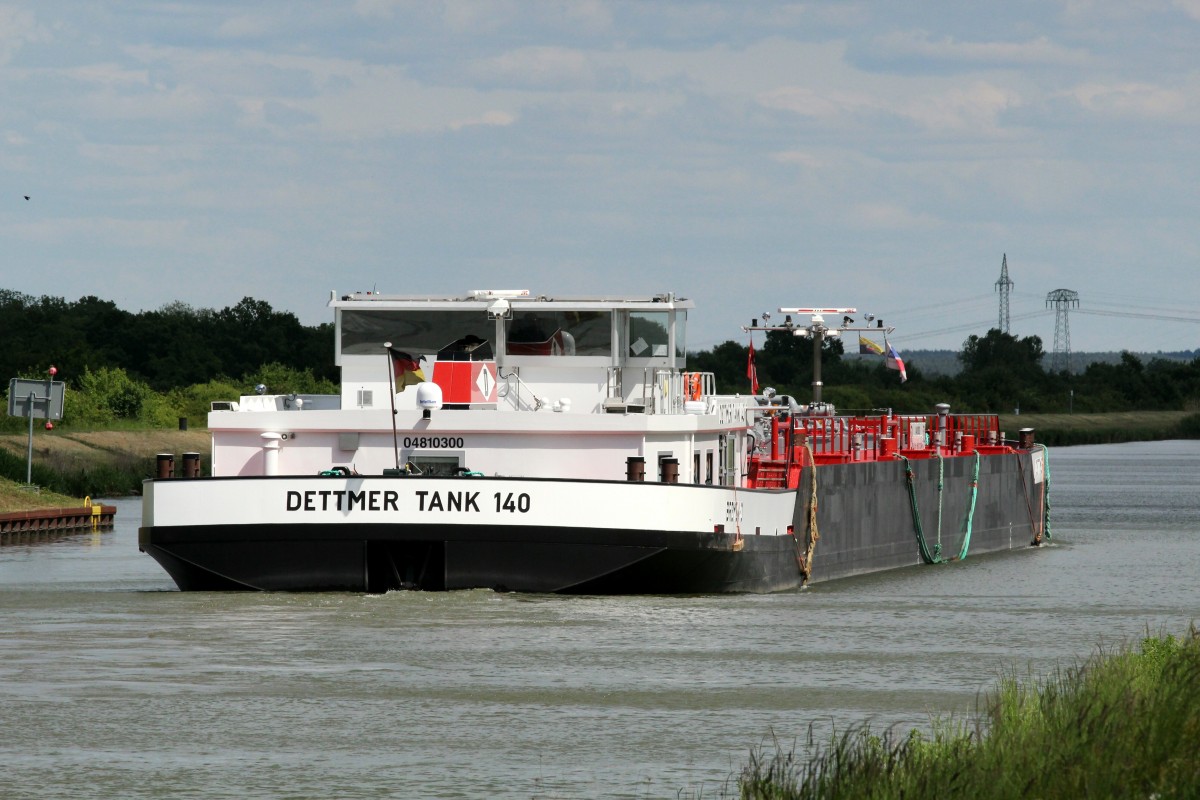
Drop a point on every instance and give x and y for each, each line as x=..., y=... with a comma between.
x=389, y=500
x=343, y=500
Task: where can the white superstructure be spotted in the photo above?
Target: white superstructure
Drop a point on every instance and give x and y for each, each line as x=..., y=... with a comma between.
x=532, y=386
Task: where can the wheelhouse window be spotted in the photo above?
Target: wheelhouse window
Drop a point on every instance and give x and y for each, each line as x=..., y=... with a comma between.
x=649, y=334
x=537, y=332
x=413, y=331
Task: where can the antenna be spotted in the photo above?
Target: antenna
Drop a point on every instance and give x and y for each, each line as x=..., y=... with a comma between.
x=1062, y=299
x=1004, y=286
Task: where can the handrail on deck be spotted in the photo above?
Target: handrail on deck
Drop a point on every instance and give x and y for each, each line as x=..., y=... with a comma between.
x=863, y=437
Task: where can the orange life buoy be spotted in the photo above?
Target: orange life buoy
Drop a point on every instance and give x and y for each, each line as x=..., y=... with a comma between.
x=691, y=384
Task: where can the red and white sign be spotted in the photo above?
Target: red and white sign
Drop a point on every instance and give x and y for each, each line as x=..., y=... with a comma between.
x=466, y=382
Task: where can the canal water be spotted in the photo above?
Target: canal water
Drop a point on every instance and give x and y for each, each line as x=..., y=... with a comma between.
x=113, y=685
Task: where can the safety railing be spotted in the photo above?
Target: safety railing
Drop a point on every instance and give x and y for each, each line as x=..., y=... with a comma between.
x=836, y=439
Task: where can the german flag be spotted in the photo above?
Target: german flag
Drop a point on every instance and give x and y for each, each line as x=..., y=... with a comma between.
x=406, y=369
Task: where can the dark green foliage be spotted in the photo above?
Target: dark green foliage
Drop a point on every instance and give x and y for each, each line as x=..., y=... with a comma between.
x=1190, y=427
x=171, y=347
x=727, y=361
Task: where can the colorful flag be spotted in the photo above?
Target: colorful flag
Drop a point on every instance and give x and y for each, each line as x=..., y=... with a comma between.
x=406, y=369
x=866, y=346
x=751, y=371
x=894, y=361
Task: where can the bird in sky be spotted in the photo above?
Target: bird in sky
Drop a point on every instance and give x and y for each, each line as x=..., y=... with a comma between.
x=26, y=197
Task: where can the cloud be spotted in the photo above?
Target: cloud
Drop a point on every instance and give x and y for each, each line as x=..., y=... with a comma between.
x=799, y=158
x=18, y=27
x=151, y=234
x=1132, y=99
x=975, y=108
x=919, y=46
x=891, y=217
x=493, y=118
x=1189, y=7
x=108, y=75
x=578, y=17
x=823, y=105
x=538, y=67
x=245, y=26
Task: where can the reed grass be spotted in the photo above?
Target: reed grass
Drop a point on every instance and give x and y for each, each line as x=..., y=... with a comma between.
x=110, y=478
x=106, y=463
x=1122, y=724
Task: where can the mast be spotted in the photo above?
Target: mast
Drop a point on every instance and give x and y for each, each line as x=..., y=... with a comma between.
x=818, y=331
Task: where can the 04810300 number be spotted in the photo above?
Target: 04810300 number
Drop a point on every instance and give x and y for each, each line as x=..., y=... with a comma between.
x=432, y=442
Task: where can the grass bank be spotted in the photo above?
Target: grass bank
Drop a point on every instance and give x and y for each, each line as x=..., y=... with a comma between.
x=97, y=463
x=14, y=497
x=1123, y=724
x=1122, y=426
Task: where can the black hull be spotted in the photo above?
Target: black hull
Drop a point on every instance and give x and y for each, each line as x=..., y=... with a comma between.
x=864, y=517
x=382, y=558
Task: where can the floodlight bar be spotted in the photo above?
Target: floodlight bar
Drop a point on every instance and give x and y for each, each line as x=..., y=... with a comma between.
x=483, y=294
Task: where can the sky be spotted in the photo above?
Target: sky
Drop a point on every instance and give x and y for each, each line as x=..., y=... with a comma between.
x=876, y=155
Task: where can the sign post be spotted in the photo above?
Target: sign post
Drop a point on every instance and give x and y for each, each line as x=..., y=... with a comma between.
x=35, y=400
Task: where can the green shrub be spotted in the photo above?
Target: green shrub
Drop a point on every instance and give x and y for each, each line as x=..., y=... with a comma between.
x=105, y=396
x=195, y=401
x=1189, y=427
x=280, y=379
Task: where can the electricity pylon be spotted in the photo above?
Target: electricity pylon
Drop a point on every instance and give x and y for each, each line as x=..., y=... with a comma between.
x=1062, y=299
x=1004, y=286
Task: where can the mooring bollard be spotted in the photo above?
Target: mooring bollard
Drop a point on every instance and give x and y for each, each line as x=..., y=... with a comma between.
x=670, y=470
x=635, y=468
x=166, y=465
x=191, y=465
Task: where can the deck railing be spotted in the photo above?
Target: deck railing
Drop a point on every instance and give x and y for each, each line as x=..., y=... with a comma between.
x=865, y=438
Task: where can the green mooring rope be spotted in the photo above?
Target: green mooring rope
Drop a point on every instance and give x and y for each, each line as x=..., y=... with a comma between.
x=935, y=557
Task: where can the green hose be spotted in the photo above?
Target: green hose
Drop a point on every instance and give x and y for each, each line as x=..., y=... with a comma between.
x=911, y=479
x=970, y=510
x=935, y=557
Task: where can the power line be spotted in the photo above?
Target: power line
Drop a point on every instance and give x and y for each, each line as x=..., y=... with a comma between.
x=940, y=306
x=1120, y=302
x=1127, y=314
x=976, y=325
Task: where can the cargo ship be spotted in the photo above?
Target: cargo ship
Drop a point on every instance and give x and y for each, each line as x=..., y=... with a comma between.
x=503, y=440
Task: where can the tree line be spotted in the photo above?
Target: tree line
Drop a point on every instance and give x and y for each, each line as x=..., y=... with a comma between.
x=1001, y=373
x=152, y=367
x=170, y=347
